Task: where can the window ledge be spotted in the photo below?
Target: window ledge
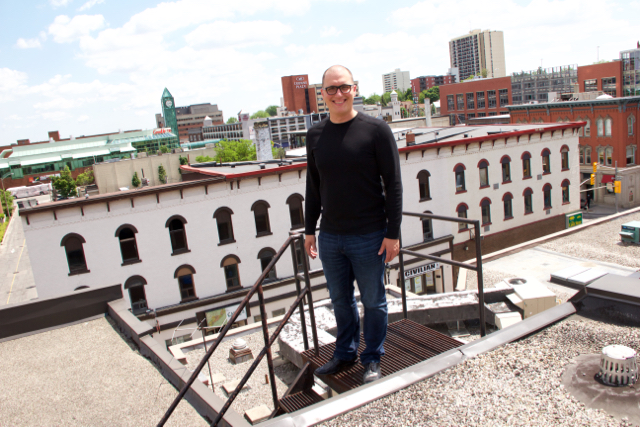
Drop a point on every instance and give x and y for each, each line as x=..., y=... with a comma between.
x=566, y=203
x=78, y=272
x=264, y=233
x=526, y=177
x=463, y=230
x=235, y=288
x=508, y=218
x=528, y=213
x=565, y=169
x=461, y=191
x=226, y=242
x=485, y=224
x=485, y=186
x=547, y=208
x=131, y=261
x=506, y=182
x=180, y=252
x=425, y=199
x=546, y=173
x=189, y=300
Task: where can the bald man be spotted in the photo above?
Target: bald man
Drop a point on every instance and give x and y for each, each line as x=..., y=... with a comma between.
x=347, y=155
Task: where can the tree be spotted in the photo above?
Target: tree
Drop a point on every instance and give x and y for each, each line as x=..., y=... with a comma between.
x=408, y=96
x=260, y=115
x=373, y=99
x=162, y=174
x=235, y=151
x=232, y=120
x=184, y=160
x=164, y=149
x=135, y=181
x=271, y=110
x=64, y=184
x=7, y=201
x=204, y=159
x=484, y=73
x=432, y=93
x=85, y=178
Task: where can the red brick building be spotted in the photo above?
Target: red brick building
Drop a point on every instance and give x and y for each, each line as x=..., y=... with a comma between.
x=427, y=82
x=475, y=98
x=606, y=77
x=297, y=95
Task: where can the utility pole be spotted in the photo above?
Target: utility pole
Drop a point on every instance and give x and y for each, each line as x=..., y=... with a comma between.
x=615, y=177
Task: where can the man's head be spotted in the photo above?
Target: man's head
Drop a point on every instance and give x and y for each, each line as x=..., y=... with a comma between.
x=340, y=104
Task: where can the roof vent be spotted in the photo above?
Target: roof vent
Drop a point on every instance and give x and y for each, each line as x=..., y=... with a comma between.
x=618, y=366
x=262, y=165
x=466, y=135
x=517, y=281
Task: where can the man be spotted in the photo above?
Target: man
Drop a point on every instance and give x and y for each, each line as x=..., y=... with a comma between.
x=347, y=155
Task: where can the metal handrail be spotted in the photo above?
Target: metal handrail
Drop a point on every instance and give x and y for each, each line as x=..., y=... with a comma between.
x=477, y=268
x=269, y=340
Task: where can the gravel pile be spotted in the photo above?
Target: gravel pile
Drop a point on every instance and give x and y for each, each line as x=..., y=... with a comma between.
x=518, y=384
x=600, y=243
x=257, y=391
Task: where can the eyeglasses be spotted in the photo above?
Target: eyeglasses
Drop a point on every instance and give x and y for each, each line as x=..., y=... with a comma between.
x=332, y=90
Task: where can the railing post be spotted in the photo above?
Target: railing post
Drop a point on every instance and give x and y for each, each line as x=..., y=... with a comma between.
x=303, y=321
x=312, y=316
x=265, y=333
x=401, y=279
x=476, y=227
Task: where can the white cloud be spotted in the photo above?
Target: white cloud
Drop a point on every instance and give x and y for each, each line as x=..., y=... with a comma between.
x=83, y=118
x=43, y=36
x=28, y=43
x=14, y=117
x=66, y=30
x=59, y=3
x=329, y=32
x=11, y=79
x=241, y=34
x=88, y=5
x=56, y=116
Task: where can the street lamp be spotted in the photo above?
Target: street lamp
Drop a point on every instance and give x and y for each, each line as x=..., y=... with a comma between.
x=4, y=194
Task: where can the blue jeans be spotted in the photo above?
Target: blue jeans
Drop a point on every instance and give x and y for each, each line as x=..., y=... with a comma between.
x=345, y=258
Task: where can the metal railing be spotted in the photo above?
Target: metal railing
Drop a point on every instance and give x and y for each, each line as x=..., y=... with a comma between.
x=269, y=340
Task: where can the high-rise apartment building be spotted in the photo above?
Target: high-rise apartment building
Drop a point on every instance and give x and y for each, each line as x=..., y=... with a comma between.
x=297, y=94
x=477, y=51
x=427, y=82
x=396, y=80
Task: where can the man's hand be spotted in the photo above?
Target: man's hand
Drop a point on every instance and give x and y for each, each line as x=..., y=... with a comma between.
x=310, y=245
x=392, y=246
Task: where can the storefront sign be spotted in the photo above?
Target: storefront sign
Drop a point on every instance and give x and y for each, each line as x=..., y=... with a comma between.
x=418, y=271
x=573, y=219
x=160, y=131
x=220, y=316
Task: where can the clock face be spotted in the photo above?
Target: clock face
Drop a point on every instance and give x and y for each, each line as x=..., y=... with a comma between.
x=168, y=103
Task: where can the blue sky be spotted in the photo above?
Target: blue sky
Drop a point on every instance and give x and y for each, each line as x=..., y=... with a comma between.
x=92, y=66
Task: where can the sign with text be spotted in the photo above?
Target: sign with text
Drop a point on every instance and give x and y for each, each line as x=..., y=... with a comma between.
x=160, y=131
x=300, y=82
x=219, y=317
x=418, y=271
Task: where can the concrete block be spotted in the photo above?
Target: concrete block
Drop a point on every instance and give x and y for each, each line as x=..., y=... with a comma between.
x=257, y=414
x=507, y=319
x=231, y=386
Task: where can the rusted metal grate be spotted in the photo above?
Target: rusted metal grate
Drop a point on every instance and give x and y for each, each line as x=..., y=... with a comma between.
x=299, y=400
x=407, y=344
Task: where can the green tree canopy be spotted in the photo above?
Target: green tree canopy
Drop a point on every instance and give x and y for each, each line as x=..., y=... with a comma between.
x=261, y=114
x=232, y=120
x=271, y=110
x=235, y=151
x=408, y=95
x=373, y=99
x=432, y=93
x=162, y=174
x=7, y=201
x=204, y=159
x=164, y=149
x=64, y=184
x=85, y=178
x=135, y=181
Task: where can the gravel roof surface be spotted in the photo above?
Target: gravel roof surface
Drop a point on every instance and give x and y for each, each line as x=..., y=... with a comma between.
x=84, y=375
x=518, y=384
x=257, y=392
x=600, y=243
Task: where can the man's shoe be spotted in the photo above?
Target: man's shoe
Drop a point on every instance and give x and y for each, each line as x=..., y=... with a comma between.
x=371, y=372
x=334, y=366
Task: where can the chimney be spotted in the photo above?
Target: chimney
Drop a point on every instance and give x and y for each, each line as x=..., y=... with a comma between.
x=55, y=135
x=411, y=139
x=24, y=142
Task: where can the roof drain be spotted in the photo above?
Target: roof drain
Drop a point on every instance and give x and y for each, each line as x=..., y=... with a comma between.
x=618, y=366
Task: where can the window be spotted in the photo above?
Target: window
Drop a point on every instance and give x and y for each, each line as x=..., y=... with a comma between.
x=261, y=214
x=587, y=155
x=470, y=102
x=491, y=98
x=225, y=226
x=546, y=191
x=427, y=228
x=265, y=256
x=630, y=121
x=423, y=185
x=450, y=104
x=480, y=99
x=231, y=275
x=75, y=253
x=506, y=169
x=462, y=213
x=609, y=155
x=508, y=206
x=564, y=156
x=582, y=155
x=485, y=206
x=177, y=234
x=587, y=128
x=295, y=211
x=631, y=155
x=460, y=101
x=504, y=97
x=607, y=126
x=528, y=203
x=483, y=167
x=590, y=85
x=609, y=86
x=546, y=163
x=459, y=171
x=137, y=297
x=187, y=288
x=526, y=165
x=565, y=192
x=581, y=130
x=600, y=126
x=128, y=248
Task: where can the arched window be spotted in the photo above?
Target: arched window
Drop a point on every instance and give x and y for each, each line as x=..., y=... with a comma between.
x=462, y=213
x=459, y=174
x=225, y=227
x=587, y=128
x=485, y=206
x=184, y=274
x=427, y=228
x=600, y=126
x=630, y=121
x=565, y=191
x=74, y=250
x=265, y=256
x=526, y=165
x=600, y=151
x=137, y=296
x=581, y=151
x=508, y=205
x=483, y=168
x=528, y=202
x=261, y=214
x=546, y=162
x=546, y=190
x=581, y=129
x=506, y=169
x=631, y=154
x=295, y=211
x=587, y=155
x=231, y=274
x=423, y=185
x=128, y=247
x=178, y=235
x=607, y=126
x=609, y=156
x=564, y=156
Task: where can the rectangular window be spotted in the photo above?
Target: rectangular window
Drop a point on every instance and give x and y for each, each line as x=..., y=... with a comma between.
x=590, y=85
x=470, y=101
x=491, y=97
x=484, y=177
x=508, y=209
x=460, y=99
x=506, y=172
x=450, y=104
x=504, y=97
x=609, y=86
x=480, y=99
x=588, y=155
x=630, y=156
x=582, y=155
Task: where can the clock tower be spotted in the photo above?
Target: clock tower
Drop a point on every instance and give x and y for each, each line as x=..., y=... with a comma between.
x=169, y=114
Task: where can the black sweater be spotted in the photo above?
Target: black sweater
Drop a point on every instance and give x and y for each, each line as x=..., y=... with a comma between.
x=344, y=164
